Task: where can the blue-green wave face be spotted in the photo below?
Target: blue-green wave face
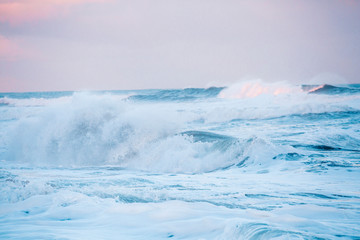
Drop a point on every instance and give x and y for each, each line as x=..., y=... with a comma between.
x=330, y=89
x=248, y=161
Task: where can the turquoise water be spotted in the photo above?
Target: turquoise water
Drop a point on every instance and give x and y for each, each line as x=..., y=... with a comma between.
x=250, y=161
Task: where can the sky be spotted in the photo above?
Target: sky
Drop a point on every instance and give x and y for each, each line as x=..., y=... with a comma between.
x=56, y=45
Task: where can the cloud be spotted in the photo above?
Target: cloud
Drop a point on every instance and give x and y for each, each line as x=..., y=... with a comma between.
x=22, y=11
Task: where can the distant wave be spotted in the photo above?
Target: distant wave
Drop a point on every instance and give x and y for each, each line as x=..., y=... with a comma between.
x=186, y=94
x=29, y=95
x=241, y=90
x=149, y=95
x=256, y=88
x=330, y=89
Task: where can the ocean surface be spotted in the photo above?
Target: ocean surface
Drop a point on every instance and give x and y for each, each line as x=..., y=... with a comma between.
x=249, y=161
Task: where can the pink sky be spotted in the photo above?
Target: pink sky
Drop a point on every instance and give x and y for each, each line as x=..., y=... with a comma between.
x=132, y=44
x=18, y=12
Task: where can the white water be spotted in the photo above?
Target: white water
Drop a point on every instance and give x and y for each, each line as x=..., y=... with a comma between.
x=104, y=166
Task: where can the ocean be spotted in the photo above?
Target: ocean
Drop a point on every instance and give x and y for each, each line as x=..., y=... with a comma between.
x=253, y=160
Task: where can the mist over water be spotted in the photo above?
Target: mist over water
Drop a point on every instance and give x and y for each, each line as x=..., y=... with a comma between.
x=249, y=161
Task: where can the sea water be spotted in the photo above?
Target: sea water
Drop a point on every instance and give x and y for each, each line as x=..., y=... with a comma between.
x=250, y=161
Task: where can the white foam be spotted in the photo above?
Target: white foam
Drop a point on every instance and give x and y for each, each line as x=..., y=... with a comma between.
x=82, y=205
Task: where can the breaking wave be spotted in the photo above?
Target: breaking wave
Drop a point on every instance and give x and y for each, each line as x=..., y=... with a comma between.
x=95, y=131
x=163, y=131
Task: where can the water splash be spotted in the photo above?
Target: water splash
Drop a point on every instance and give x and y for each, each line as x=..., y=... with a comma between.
x=251, y=89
